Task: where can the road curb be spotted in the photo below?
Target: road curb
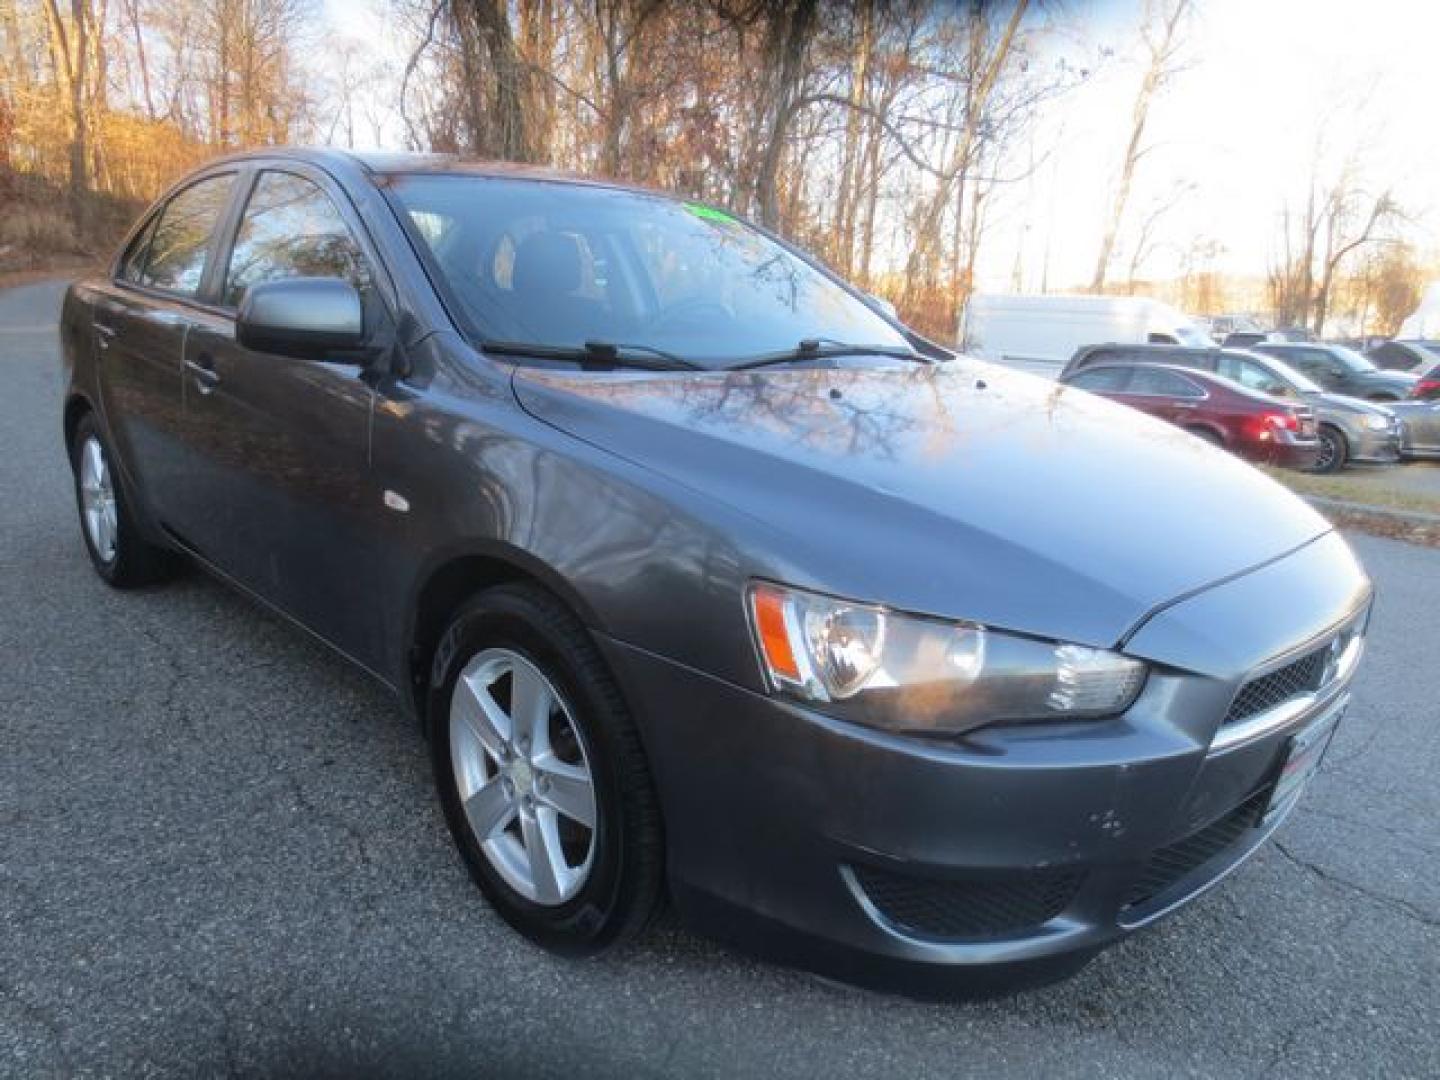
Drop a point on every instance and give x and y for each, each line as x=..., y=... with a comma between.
x=1415, y=526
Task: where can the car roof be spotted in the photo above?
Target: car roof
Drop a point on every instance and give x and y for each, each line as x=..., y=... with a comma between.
x=381, y=164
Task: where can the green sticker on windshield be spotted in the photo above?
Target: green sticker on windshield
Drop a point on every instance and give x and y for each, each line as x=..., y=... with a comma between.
x=709, y=213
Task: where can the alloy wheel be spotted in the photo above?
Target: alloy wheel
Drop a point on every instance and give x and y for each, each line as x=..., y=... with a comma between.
x=97, y=499
x=523, y=776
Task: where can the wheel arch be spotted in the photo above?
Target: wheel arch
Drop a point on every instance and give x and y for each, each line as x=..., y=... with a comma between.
x=449, y=580
x=1206, y=430
x=76, y=406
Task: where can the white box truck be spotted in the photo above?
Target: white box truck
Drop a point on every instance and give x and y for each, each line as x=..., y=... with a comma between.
x=1041, y=333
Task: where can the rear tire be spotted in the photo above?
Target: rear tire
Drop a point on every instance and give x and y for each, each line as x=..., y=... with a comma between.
x=1334, y=451
x=121, y=556
x=573, y=888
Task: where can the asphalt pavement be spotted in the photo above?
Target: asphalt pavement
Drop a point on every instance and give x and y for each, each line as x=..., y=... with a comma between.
x=220, y=855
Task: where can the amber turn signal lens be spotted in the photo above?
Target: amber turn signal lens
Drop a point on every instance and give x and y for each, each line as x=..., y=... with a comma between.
x=769, y=607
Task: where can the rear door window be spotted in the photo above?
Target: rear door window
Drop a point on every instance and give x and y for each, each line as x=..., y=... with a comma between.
x=1156, y=382
x=181, y=241
x=1102, y=380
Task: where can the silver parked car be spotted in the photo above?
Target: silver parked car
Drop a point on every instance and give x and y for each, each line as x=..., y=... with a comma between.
x=1420, y=435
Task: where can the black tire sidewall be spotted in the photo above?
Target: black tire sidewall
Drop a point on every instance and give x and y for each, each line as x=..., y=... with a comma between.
x=507, y=618
x=1338, y=459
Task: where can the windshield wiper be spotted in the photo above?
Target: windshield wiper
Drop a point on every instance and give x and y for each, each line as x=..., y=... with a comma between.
x=597, y=354
x=824, y=348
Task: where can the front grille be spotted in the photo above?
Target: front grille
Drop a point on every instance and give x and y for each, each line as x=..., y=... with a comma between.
x=1170, y=864
x=978, y=908
x=1302, y=676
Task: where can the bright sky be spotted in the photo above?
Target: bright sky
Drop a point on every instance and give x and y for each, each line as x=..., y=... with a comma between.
x=1265, y=79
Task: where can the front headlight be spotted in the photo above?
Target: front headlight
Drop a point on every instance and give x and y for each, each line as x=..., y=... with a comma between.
x=925, y=676
x=1376, y=422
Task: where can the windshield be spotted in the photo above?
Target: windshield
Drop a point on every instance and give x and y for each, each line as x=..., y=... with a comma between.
x=560, y=265
x=1349, y=358
x=1300, y=383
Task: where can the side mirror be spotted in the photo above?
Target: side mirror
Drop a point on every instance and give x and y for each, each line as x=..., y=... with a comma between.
x=301, y=317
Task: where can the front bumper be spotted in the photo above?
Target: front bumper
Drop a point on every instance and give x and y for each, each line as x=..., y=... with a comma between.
x=1013, y=853
x=1375, y=447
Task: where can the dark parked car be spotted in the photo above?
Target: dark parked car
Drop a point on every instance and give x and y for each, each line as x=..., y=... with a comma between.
x=700, y=576
x=1411, y=356
x=1253, y=425
x=1243, y=339
x=1342, y=370
x=1350, y=429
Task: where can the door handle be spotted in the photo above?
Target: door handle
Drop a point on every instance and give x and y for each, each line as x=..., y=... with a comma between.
x=104, y=335
x=206, y=378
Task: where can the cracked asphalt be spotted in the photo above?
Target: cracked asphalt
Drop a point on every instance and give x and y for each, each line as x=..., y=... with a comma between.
x=220, y=855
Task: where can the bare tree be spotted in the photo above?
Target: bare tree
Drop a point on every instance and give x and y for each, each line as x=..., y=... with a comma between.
x=1163, y=42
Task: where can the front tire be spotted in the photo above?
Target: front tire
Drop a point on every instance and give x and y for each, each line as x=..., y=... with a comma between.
x=1334, y=451
x=541, y=774
x=120, y=554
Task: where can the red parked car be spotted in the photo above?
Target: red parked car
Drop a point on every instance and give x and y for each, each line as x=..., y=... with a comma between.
x=1428, y=388
x=1253, y=425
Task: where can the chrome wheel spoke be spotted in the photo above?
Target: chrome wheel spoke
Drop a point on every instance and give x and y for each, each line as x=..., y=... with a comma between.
x=566, y=788
x=490, y=809
x=94, y=465
x=548, y=871
x=530, y=705
x=485, y=719
x=97, y=499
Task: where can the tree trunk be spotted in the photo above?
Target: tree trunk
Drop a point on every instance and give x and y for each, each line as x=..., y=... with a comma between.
x=511, y=139
x=985, y=70
x=1162, y=56
x=796, y=20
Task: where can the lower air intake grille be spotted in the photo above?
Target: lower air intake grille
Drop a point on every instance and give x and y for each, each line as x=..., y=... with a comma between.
x=985, y=907
x=1302, y=676
x=1170, y=864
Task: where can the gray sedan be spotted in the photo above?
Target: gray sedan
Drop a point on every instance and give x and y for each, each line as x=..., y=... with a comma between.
x=702, y=578
x=1421, y=420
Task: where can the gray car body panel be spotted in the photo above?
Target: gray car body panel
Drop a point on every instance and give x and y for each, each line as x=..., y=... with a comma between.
x=986, y=478
x=1422, y=427
x=648, y=502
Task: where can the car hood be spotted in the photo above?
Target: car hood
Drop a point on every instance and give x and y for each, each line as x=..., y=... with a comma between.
x=960, y=489
x=1350, y=406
